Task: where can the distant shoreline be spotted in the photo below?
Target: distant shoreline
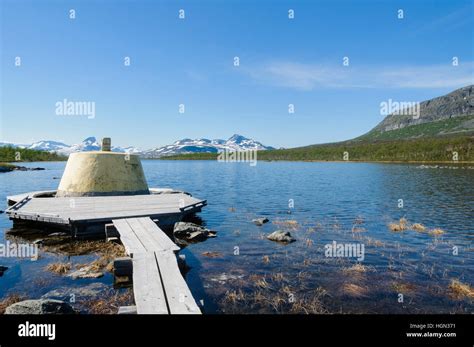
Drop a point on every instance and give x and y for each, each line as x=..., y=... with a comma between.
x=328, y=161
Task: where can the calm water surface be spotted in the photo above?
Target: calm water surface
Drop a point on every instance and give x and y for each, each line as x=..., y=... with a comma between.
x=342, y=202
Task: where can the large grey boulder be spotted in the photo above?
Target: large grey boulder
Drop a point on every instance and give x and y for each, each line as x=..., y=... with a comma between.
x=41, y=306
x=281, y=236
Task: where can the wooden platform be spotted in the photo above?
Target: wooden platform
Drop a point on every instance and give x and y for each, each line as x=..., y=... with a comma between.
x=98, y=209
x=158, y=286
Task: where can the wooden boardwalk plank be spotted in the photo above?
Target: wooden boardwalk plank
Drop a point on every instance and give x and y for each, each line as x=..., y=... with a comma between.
x=130, y=241
x=147, y=285
x=178, y=295
x=158, y=285
x=159, y=235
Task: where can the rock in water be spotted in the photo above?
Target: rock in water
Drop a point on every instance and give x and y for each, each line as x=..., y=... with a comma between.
x=3, y=269
x=87, y=292
x=191, y=231
x=260, y=221
x=85, y=272
x=281, y=236
x=41, y=306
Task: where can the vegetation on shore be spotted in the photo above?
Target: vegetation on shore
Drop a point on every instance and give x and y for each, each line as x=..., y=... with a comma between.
x=451, y=126
x=439, y=149
x=15, y=154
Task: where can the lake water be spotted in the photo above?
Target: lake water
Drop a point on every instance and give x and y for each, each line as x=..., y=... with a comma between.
x=319, y=203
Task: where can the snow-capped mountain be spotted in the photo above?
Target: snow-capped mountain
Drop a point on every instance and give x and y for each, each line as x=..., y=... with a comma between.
x=184, y=146
x=203, y=145
x=51, y=146
x=89, y=144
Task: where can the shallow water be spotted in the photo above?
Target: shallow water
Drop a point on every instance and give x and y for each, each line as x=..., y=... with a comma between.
x=342, y=202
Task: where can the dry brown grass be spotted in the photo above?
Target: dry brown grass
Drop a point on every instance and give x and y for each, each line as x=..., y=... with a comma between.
x=355, y=269
x=106, y=249
x=309, y=242
x=233, y=296
x=266, y=259
x=278, y=277
x=258, y=297
x=212, y=254
x=436, y=232
x=400, y=226
x=10, y=300
x=358, y=229
x=308, y=306
x=109, y=303
x=59, y=268
x=404, y=288
x=287, y=224
x=354, y=290
x=374, y=242
x=418, y=227
x=262, y=283
x=460, y=290
x=107, y=252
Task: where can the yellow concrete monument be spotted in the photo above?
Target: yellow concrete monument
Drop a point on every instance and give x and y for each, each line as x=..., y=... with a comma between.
x=102, y=173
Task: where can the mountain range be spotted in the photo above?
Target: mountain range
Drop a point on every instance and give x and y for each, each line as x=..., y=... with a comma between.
x=184, y=146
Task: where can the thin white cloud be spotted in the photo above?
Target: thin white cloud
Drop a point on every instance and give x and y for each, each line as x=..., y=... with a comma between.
x=313, y=76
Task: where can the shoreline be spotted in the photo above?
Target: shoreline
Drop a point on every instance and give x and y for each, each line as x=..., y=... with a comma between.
x=333, y=161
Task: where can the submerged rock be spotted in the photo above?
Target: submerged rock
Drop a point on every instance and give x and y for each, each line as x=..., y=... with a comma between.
x=85, y=272
x=224, y=277
x=41, y=306
x=260, y=221
x=3, y=269
x=84, y=292
x=281, y=236
x=191, y=232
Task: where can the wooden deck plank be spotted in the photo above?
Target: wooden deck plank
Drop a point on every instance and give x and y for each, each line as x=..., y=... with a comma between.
x=84, y=209
x=178, y=295
x=147, y=285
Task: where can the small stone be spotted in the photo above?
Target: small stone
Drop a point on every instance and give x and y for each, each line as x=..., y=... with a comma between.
x=3, y=269
x=260, y=221
x=281, y=236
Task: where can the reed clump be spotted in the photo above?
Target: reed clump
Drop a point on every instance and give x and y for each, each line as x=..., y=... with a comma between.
x=400, y=226
x=436, y=232
x=59, y=268
x=354, y=290
x=418, y=227
x=110, y=302
x=460, y=290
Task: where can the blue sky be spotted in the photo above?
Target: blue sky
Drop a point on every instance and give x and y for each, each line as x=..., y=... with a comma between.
x=191, y=62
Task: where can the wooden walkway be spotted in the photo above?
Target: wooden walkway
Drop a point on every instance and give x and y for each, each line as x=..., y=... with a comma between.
x=158, y=285
x=102, y=209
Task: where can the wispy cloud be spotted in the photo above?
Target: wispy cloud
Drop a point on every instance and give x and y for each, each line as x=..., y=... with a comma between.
x=451, y=21
x=312, y=76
